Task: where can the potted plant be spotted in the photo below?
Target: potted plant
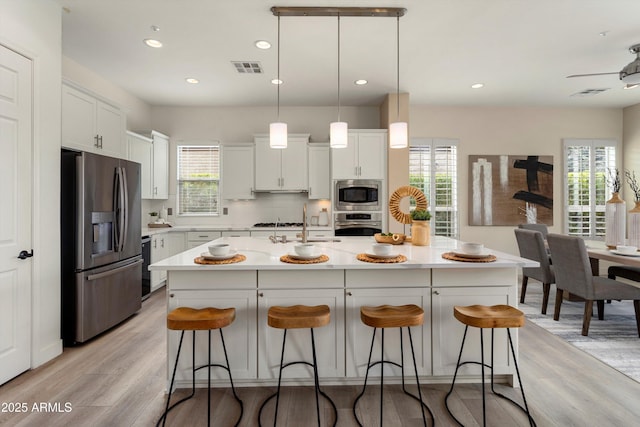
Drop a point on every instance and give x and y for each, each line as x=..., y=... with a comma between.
x=153, y=216
x=420, y=228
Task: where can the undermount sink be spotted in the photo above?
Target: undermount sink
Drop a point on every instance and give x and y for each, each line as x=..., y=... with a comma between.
x=314, y=240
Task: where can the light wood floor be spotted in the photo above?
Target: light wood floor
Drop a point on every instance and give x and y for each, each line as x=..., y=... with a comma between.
x=118, y=380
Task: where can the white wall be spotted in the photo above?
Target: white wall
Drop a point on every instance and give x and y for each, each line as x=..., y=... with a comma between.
x=238, y=125
x=631, y=148
x=33, y=28
x=515, y=131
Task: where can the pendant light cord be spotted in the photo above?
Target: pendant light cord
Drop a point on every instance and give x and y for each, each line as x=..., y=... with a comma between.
x=279, y=81
x=398, y=66
x=338, y=67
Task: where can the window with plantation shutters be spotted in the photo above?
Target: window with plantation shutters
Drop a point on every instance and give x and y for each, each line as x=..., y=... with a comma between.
x=433, y=166
x=588, y=163
x=198, y=179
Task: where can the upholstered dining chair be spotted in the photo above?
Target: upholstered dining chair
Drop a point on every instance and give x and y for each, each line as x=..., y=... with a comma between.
x=531, y=245
x=542, y=228
x=573, y=273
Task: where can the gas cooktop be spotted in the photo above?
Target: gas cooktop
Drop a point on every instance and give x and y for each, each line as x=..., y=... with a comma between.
x=280, y=224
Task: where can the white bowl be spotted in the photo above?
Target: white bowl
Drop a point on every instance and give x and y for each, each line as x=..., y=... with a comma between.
x=382, y=248
x=627, y=249
x=219, y=249
x=305, y=249
x=472, y=248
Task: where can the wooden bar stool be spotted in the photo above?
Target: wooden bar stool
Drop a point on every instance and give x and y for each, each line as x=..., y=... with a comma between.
x=389, y=316
x=489, y=317
x=297, y=317
x=205, y=319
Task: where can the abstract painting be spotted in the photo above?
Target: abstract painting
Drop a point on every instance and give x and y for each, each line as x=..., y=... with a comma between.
x=510, y=190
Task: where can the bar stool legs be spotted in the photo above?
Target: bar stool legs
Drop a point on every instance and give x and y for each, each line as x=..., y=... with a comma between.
x=183, y=319
x=381, y=362
x=316, y=381
x=525, y=409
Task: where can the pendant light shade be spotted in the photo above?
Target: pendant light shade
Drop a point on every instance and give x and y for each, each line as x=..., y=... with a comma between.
x=398, y=131
x=339, y=135
x=338, y=131
x=278, y=130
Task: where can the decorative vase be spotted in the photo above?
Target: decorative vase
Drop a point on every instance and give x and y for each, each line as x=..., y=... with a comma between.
x=634, y=225
x=615, y=217
x=420, y=233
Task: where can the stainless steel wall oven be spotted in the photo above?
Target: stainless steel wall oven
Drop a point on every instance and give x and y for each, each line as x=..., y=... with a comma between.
x=358, y=223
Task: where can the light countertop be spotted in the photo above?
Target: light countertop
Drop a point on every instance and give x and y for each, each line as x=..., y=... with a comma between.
x=261, y=254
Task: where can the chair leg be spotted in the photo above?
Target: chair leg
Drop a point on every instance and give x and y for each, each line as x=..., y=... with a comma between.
x=556, y=311
x=600, y=304
x=523, y=291
x=588, y=311
x=636, y=306
x=546, y=288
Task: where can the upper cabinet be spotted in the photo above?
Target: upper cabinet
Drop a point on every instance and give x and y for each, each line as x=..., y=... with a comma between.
x=237, y=172
x=363, y=158
x=319, y=171
x=281, y=169
x=91, y=124
x=151, y=150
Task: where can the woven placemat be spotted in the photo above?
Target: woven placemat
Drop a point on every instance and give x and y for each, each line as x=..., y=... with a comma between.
x=237, y=258
x=290, y=260
x=367, y=258
x=453, y=257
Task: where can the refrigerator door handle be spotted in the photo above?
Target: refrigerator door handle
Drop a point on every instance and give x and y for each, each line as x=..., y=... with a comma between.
x=125, y=206
x=116, y=211
x=114, y=271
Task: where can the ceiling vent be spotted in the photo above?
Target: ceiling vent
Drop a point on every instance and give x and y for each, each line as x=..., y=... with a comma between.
x=590, y=92
x=247, y=67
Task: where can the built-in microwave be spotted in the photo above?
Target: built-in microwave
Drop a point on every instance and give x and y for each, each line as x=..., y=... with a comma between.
x=358, y=195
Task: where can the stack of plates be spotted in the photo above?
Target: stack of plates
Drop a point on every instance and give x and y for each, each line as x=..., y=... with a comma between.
x=207, y=255
x=485, y=253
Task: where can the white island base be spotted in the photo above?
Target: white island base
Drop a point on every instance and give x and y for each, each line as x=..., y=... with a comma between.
x=344, y=284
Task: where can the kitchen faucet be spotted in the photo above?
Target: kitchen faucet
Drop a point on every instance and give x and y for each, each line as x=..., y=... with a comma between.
x=304, y=223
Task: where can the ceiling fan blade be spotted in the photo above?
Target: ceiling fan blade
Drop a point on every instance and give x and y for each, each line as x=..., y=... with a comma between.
x=593, y=74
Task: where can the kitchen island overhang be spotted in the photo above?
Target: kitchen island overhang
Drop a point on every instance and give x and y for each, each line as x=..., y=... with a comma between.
x=344, y=283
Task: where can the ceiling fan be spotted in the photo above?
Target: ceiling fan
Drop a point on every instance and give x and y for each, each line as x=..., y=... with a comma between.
x=630, y=74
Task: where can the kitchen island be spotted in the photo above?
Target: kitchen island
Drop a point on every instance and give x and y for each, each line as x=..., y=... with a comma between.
x=344, y=284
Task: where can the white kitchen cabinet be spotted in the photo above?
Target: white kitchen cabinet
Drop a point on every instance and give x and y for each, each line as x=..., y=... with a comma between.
x=358, y=335
x=281, y=169
x=159, y=164
x=197, y=238
x=240, y=337
x=140, y=150
x=238, y=172
x=286, y=288
x=448, y=332
x=91, y=124
x=363, y=158
x=164, y=245
x=319, y=171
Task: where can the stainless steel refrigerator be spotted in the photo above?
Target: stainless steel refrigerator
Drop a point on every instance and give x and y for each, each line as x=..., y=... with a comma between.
x=101, y=248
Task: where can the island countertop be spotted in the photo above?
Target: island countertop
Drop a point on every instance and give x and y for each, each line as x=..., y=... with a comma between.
x=262, y=254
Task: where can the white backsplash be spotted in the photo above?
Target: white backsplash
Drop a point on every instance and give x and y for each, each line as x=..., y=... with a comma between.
x=266, y=207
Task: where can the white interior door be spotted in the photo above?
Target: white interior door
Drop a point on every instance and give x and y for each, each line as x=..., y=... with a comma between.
x=15, y=215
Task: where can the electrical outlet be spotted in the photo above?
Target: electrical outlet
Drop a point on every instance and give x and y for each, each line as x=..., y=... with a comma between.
x=169, y=211
x=225, y=211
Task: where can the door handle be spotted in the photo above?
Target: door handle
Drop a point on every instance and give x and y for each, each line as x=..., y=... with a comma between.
x=25, y=254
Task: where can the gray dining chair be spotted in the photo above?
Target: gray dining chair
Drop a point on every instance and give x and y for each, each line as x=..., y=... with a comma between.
x=573, y=274
x=542, y=228
x=531, y=246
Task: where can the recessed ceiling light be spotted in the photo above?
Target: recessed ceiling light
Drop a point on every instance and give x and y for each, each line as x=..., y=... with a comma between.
x=477, y=85
x=263, y=44
x=153, y=43
x=361, y=82
x=192, y=80
x=276, y=82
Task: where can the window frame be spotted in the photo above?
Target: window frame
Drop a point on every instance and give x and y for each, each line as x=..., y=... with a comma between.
x=433, y=143
x=212, y=146
x=594, y=209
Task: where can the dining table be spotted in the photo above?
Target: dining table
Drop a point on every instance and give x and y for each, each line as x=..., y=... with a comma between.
x=598, y=251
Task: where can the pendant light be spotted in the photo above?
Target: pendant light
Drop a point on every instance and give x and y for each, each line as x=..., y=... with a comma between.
x=398, y=134
x=339, y=131
x=278, y=129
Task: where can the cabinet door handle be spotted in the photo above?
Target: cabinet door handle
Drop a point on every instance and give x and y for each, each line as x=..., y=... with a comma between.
x=349, y=294
x=162, y=242
x=171, y=295
x=100, y=141
x=436, y=292
x=261, y=294
x=155, y=244
x=97, y=138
